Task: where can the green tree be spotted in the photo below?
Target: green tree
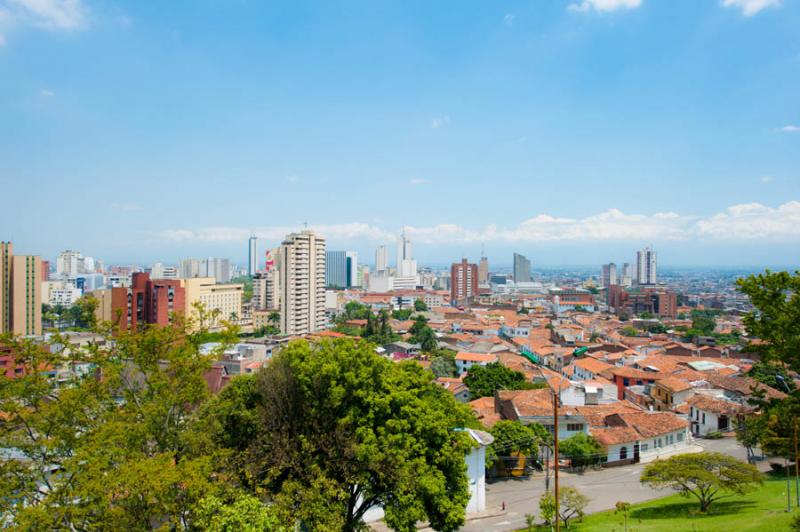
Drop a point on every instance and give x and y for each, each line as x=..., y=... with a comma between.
x=483, y=381
x=623, y=508
x=582, y=450
x=571, y=504
x=629, y=331
x=342, y=429
x=511, y=437
x=706, y=476
x=773, y=375
x=422, y=334
x=547, y=507
x=444, y=365
x=402, y=314
x=420, y=306
x=704, y=325
x=240, y=512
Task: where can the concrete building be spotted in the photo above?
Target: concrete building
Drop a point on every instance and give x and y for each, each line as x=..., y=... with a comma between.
x=646, y=266
x=522, y=269
x=252, y=256
x=381, y=259
x=68, y=263
x=223, y=302
x=626, y=277
x=266, y=290
x=153, y=301
x=62, y=293
x=336, y=269
x=160, y=271
x=464, y=282
x=112, y=306
x=351, y=262
x=219, y=269
x=302, y=282
x=483, y=271
x=608, y=276
x=406, y=265
x=20, y=292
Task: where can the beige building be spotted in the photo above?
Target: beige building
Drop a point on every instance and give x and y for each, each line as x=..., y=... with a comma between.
x=20, y=292
x=302, y=283
x=224, y=298
x=266, y=290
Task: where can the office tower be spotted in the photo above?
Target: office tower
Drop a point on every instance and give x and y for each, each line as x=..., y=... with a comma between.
x=627, y=274
x=302, y=280
x=406, y=265
x=646, y=266
x=20, y=292
x=336, y=269
x=351, y=260
x=609, y=275
x=522, y=269
x=219, y=269
x=464, y=282
x=252, y=256
x=45, y=270
x=381, y=259
x=266, y=290
x=483, y=269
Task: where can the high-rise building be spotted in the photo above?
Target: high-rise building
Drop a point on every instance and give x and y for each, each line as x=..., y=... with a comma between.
x=627, y=274
x=159, y=271
x=153, y=301
x=608, y=276
x=221, y=301
x=483, y=270
x=252, y=256
x=266, y=290
x=464, y=282
x=381, y=259
x=646, y=265
x=406, y=265
x=336, y=269
x=351, y=260
x=302, y=283
x=20, y=292
x=219, y=269
x=522, y=269
x=68, y=263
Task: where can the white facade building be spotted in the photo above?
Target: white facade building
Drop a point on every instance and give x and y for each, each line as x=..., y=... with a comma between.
x=646, y=266
x=302, y=283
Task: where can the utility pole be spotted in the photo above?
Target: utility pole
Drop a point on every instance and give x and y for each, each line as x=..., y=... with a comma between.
x=555, y=452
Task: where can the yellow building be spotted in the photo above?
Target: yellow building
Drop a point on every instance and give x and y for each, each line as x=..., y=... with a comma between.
x=222, y=300
x=20, y=292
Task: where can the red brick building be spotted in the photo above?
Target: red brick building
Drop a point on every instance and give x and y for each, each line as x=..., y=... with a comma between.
x=463, y=282
x=153, y=300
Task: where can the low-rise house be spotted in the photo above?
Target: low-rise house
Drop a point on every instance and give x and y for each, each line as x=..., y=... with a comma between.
x=455, y=386
x=642, y=436
x=670, y=392
x=589, y=368
x=465, y=360
x=713, y=414
x=536, y=406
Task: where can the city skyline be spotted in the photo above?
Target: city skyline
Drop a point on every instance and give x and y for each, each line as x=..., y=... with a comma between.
x=684, y=136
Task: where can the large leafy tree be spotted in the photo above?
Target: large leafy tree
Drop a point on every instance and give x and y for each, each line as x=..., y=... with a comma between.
x=582, y=449
x=706, y=476
x=106, y=444
x=342, y=429
x=512, y=437
x=483, y=381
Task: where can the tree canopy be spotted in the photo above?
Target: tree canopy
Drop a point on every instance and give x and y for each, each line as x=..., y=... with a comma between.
x=512, y=437
x=582, y=450
x=483, y=381
x=706, y=476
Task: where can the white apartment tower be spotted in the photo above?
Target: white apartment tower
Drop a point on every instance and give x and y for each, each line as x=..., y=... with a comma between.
x=381, y=259
x=646, y=264
x=406, y=265
x=609, y=274
x=302, y=283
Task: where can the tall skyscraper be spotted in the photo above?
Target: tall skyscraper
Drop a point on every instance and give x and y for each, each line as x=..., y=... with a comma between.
x=646, y=266
x=351, y=262
x=336, y=269
x=483, y=269
x=219, y=269
x=69, y=263
x=522, y=269
x=302, y=283
x=609, y=274
x=627, y=274
x=20, y=292
x=266, y=290
x=252, y=256
x=464, y=282
x=406, y=265
x=381, y=259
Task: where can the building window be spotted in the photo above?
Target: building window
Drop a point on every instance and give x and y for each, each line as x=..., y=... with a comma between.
x=680, y=436
x=704, y=418
x=574, y=427
x=643, y=448
x=623, y=453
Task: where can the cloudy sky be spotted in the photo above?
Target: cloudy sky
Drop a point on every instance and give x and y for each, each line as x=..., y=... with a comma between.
x=574, y=131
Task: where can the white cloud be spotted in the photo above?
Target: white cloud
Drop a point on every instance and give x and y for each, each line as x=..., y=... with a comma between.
x=508, y=19
x=46, y=93
x=789, y=129
x=439, y=122
x=418, y=181
x=751, y=7
x=745, y=222
x=55, y=14
x=603, y=5
x=766, y=179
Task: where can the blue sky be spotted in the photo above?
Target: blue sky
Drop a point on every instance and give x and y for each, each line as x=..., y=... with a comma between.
x=572, y=131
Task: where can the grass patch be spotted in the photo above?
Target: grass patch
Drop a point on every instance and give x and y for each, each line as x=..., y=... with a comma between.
x=763, y=509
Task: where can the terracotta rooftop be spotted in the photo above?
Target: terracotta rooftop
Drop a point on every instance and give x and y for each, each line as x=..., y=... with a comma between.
x=713, y=404
x=475, y=357
x=648, y=424
x=674, y=384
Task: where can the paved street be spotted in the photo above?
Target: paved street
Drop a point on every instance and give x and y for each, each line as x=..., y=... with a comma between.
x=604, y=488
